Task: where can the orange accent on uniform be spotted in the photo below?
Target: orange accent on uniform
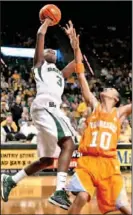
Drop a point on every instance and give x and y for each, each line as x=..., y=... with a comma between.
x=99, y=168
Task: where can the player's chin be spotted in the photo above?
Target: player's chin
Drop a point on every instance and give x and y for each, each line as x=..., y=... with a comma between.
x=54, y=59
x=101, y=94
x=51, y=59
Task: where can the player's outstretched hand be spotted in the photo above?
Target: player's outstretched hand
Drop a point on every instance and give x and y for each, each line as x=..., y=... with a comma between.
x=74, y=40
x=69, y=29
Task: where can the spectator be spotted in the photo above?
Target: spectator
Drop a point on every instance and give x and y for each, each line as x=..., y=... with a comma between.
x=26, y=112
x=29, y=102
x=3, y=135
x=65, y=108
x=9, y=128
x=16, y=76
x=17, y=110
x=4, y=109
x=23, y=120
x=28, y=131
x=125, y=135
x=82, y=107
x=4, y=84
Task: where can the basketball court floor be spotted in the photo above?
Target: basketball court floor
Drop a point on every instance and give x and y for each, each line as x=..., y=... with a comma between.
x=30, y=197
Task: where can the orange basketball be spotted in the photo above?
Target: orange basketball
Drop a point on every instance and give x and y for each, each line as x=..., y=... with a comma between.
x=51, y=11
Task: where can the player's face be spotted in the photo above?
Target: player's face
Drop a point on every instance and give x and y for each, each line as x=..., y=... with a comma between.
x=110, y=93
x=50, y=56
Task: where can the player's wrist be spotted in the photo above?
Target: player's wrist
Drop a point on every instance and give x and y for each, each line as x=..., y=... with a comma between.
x=79, y=68
x=42, y=30
x=43, y=27
x=40, y=33
x=76, y=49
x=69, y=36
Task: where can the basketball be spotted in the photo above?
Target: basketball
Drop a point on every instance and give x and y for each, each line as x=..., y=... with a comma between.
x=51, y=11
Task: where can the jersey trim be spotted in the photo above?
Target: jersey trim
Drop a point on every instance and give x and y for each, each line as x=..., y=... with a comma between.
x=71, y=132
x=60, y=131
x=68, y=127
x=39, y=72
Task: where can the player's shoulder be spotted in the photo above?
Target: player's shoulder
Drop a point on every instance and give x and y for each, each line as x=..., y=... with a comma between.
x=97, y=107
x=45, y=63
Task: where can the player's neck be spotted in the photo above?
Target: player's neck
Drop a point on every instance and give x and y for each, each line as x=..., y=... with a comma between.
x=107, y=105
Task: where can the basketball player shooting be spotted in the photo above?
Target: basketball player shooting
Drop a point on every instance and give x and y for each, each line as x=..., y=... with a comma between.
x=55, y=131
x=99, y=166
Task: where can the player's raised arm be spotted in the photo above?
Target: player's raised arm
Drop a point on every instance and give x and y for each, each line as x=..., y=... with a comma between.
x=70, y=68
x=124, y=111
x=39, y=55
x=79, y=69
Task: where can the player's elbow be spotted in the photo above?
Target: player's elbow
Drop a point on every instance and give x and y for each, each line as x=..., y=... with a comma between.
x=128, y=110
x=87, y=100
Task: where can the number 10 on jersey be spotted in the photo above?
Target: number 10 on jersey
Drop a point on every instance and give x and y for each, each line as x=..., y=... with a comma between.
x=105, y=140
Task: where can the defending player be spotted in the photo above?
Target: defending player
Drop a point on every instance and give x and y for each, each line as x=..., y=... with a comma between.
x=53, y=126
x=99, y=167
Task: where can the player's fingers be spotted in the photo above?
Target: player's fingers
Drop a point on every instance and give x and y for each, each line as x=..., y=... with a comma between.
x=67, y=26
x=74, y=33
x=78, y=36
x=70, y=23
x=47, y=18
x=64, y=29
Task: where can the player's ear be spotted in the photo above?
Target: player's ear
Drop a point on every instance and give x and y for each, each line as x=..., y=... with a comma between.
x=118, y=102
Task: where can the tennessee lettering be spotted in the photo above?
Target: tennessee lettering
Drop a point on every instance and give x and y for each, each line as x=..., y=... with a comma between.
x=103, y=124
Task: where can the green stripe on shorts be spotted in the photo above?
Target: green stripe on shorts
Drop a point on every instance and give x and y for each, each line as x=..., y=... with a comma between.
x=60, y=131
x=68, y=127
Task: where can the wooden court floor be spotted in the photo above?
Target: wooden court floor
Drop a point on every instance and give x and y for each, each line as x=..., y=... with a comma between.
x=30, y=197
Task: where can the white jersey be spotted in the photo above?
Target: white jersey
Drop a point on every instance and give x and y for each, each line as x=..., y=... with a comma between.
x=52, y=124
x=49, y=84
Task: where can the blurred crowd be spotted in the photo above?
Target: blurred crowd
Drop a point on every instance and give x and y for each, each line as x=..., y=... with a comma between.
x=110, y=61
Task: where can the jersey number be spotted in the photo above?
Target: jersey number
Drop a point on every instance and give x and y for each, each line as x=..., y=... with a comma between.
x=105, y=140
x=59, y=82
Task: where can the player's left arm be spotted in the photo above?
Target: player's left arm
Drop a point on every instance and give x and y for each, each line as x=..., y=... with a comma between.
x=70, y=68
x=40, y=41
x=124, y=111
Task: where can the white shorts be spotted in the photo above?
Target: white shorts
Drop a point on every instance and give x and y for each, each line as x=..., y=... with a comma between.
x=52, y=125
